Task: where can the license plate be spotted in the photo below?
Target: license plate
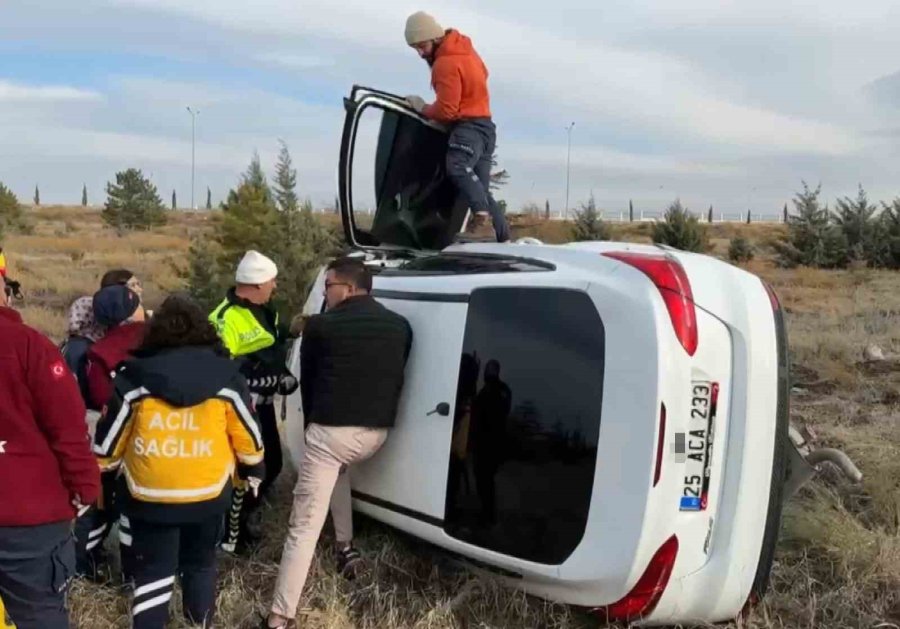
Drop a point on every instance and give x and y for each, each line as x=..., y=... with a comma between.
x=698, y=446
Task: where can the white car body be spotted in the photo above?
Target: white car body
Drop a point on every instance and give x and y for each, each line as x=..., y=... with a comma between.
x=637, y=479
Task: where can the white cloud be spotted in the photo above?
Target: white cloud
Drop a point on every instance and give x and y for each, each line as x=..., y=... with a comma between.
x=296, y=61
x=19, y=93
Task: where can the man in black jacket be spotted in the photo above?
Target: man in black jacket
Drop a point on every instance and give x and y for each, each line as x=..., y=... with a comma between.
x=352, y=359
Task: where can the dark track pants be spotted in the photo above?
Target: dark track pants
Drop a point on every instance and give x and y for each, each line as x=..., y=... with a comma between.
x=36, y=565
x=469, y=152
x=163, y=551
x=243, y=504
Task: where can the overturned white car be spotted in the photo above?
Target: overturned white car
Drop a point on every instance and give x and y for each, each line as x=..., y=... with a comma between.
x=604, y=424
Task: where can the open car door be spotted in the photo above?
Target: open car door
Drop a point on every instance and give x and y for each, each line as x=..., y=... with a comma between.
x=406, y=201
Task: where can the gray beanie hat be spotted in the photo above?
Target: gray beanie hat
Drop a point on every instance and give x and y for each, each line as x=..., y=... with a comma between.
x=421, y=27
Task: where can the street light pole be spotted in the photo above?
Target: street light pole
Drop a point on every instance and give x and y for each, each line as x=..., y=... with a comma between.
x=568, y=160
x=194, y=114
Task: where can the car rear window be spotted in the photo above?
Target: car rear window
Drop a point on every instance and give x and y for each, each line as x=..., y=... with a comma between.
x=529, y=400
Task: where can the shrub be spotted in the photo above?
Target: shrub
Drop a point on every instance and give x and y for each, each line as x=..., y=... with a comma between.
x=740, y=250
x=680, y=229
x=588, y=223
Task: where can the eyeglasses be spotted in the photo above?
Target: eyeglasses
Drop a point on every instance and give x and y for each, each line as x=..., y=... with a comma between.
x=330, y=284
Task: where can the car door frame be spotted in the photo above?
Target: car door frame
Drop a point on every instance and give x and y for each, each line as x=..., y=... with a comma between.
x=360, y=99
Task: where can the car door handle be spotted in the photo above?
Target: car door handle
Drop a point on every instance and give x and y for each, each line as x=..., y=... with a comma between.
x=442, y=409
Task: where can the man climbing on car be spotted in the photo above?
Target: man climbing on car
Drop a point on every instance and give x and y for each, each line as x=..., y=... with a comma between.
x=459, y=79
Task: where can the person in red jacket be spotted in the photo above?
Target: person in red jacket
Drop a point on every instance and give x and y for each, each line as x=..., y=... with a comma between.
x=459, y=78
x=47, y=473
x=119, y=309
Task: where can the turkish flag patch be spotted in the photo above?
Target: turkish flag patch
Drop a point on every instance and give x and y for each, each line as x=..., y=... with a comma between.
x=58, y=370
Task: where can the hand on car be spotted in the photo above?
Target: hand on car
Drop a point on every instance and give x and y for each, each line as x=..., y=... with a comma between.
x=416, y=102
x=287, y=385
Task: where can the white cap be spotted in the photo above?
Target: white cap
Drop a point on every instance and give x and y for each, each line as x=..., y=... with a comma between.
x=255, y=268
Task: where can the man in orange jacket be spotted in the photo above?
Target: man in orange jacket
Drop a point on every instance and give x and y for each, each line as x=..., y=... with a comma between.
x=459, y=79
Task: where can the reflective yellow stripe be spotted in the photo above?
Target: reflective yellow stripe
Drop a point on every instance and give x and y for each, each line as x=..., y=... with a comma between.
x=5, y=621
x=177, y=495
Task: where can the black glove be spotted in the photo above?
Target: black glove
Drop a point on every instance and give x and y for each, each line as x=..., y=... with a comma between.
x=287, y=385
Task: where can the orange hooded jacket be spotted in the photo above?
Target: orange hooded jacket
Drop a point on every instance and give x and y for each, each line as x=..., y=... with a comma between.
x=459, y=78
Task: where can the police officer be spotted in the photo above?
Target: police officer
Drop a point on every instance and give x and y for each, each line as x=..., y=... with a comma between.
x=251, y=331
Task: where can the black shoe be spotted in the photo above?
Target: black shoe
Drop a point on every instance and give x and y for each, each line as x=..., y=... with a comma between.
x=289, y=624
x=348, y=562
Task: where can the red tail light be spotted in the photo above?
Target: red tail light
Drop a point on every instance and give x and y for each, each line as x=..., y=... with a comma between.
x=671, y=280
x=660, y=444
x=644, y=596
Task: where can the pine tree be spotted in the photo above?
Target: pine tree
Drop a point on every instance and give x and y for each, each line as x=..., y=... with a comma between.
x=251, y=219
x=174, y=202
x=499, y=178
x=887, y=243
x=812, y=239
x=133, y=202
x=547, y=210
x=856, y=219
x=37, y=195
x=785, y=213
x=208, y=198
x=630, y=211
x=680, y=229
x=709, y=216
x=205, y=278
x=748, y=217
x=255, y=175
x=84, y=199
x=588, y=223
x=285, y=181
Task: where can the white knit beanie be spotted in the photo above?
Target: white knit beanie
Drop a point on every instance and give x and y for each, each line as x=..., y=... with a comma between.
x=255, y=268
x=421, y=27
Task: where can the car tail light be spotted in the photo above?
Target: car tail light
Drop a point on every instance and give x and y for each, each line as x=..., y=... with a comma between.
x=660, y=444
x=776, y=305
x=644, y=596
x=673, y=284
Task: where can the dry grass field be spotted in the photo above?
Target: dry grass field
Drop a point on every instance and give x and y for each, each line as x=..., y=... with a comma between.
x=838, y=563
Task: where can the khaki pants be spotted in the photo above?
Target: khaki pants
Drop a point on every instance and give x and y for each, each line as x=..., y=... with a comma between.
x=328, y=451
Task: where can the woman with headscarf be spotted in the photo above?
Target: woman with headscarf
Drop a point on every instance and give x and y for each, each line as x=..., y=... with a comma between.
x=84, y=330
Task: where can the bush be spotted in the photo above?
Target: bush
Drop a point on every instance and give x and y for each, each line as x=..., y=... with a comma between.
x=588, y=223
x=10, y=211
x=133, y=202
x=681, y=230
x=740, y=250
x=813, y=239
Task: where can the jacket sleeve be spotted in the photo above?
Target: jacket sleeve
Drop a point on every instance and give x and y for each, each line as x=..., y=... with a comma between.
x=309, y=358
x=114, y=429
x=99, y=384
x=447, y=83
x=227, y=333
x=243, y=430
x=60, y=414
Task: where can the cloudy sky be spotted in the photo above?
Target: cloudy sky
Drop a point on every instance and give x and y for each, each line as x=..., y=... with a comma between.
x=717, y=102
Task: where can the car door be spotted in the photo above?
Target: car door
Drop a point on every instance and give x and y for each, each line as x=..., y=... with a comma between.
x=408, y=476
x=394, y=191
